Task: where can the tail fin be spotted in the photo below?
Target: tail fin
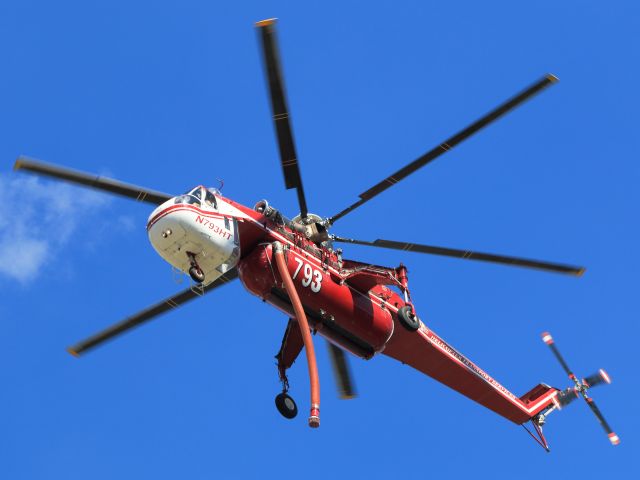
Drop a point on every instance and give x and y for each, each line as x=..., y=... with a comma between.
x=533, y=395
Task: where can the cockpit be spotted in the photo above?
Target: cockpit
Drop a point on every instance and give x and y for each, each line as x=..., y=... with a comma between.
x=200, y=197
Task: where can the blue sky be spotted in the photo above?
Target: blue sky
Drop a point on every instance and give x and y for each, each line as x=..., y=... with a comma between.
x=171, y=95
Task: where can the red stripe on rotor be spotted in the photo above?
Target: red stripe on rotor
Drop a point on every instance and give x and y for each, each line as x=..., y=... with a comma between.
x=547, y=338
x=613, y=438
x=605, y=376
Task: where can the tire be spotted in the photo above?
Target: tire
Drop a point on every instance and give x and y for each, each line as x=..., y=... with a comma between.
x=286, y=406
x=196, y=274
x=408, y=319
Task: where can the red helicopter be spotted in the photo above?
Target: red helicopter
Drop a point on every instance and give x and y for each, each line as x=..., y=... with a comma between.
x=293, y=265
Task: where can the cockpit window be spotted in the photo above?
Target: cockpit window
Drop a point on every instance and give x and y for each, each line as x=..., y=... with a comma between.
x=210, y=200
x=197, y=192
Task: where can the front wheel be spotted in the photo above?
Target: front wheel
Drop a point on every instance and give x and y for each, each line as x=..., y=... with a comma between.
x=286, y=406
x=196, y=273
x=408, y=319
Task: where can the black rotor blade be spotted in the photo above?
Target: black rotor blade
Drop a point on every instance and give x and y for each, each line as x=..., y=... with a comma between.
x=342, y=372
x=548, y=339
x=89, y=180
x=613, y=438
x=288, y=156
x=467, y=255
x=448, y=144
x=597, y=378
x=148, y=314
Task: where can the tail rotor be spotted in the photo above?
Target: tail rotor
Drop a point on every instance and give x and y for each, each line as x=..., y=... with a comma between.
x=565, y=397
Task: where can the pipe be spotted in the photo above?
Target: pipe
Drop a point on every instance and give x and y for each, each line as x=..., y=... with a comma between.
x=314, y=416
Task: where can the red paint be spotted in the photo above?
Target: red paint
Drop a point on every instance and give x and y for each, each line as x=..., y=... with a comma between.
x=213, y=227
x=355, y=309
x=181, y=206
x=352, y=311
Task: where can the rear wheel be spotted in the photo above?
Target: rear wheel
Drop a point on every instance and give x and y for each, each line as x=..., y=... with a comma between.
x=286, y=406
x=408, y=319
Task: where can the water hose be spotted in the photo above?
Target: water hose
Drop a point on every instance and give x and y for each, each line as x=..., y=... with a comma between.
x=314, y=416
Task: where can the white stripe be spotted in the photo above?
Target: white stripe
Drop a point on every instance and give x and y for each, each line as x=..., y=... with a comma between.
x=604, y=375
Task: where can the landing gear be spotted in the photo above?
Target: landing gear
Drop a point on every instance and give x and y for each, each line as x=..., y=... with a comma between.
x=286, y=406
x=195, y=272
x=408, y=319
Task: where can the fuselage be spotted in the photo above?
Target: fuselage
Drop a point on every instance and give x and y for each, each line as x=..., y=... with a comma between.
x=347, y=302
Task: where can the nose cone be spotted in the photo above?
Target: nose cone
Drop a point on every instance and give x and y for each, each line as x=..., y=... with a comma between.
x=181, y=232
x=161, y=210
x=162, y=227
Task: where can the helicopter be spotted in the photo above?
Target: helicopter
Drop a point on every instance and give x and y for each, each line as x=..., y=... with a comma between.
x=294, y=265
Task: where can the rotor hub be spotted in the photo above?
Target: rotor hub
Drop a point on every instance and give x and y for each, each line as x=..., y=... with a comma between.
x=312, y=226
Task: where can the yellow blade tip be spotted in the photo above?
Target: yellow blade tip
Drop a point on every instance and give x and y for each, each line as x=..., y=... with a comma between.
x=581, y=272
x=18, y=164
x=73, y=352
x=552, y=78
x=347, y=397
x=266, y=22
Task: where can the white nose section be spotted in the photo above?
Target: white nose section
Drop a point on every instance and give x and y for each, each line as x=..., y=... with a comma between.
x=179, y=231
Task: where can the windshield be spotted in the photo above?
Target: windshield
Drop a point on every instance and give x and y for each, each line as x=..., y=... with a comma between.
x=200, y=196
x=210, y=198
x=190, y=199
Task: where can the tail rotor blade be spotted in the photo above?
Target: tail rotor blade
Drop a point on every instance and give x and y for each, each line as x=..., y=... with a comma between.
x=597, y=379
x=548, y=339
x=613, y=438
x=342, y=373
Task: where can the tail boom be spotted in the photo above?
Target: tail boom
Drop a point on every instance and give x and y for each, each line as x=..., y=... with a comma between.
x=427, y=352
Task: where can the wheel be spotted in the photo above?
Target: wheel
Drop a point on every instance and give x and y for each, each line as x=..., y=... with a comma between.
x=408, y=319
x=196, y=273
x=286, y=406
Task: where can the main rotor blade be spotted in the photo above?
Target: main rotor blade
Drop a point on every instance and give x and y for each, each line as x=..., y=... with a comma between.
x=148, y=314
x=448, y=144
x=89, y=180
x=467, y=255
x=288, y=156
x=613, y=438
x=342, y=372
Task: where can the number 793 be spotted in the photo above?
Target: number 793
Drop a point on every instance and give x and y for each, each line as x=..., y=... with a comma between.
x=312, y=277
